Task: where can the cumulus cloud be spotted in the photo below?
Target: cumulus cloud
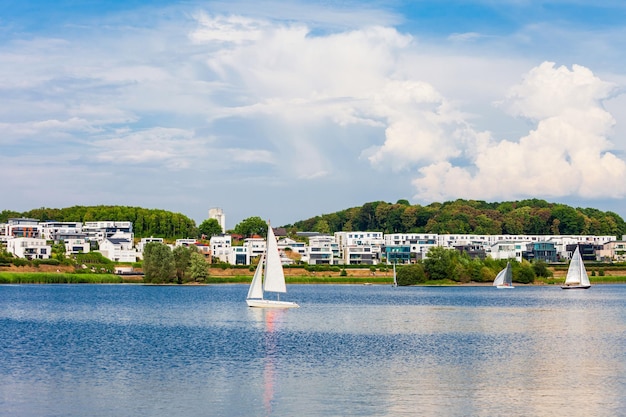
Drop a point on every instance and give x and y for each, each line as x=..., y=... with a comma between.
x=568, y=153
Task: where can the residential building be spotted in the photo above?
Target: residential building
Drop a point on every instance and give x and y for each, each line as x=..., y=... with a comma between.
x=256, y=246
x=29, y=248
x=322, y=250
x=22, y=227
x=614, y=251
x=98, y=231
x=61, y=231
x=145, y=240
x=239, y=255
x=76, y=245
x=221, y=247
x=541, y=251
x=118, y=248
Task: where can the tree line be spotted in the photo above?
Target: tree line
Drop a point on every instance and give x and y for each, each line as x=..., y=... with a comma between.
x=446, y=264
x=146, y=222
x=532, y=217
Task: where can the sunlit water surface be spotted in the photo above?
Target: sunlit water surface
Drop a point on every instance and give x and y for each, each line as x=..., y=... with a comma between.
x=122, y=350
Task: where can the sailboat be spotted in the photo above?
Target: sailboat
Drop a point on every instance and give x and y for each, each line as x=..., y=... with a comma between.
x=269, y=277
x=395, y=279
x=577, y=277
x=504, y=279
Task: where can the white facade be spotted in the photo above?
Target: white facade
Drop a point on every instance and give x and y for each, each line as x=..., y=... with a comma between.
x=360, y=247
x=145, y=240
x=322, y=250
x=296, y=247
x=420, y=243
x=239, y=255
x=221, y=247
x=101, y=230
x=76, y=246
x=29, y=248
x=507, y=250
x=61, y=231
x=256, y=246
x=118, y=249
x=613, y=251
x=185, y=242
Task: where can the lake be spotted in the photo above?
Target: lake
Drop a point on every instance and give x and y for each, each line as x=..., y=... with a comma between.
x=350, y=350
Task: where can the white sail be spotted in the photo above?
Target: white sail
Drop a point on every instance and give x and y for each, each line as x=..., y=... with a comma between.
x=256, y=286
x=504, y=277
x=576, y=273
x=274, y=276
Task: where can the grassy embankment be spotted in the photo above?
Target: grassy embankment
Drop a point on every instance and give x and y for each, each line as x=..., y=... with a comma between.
x=293, y=276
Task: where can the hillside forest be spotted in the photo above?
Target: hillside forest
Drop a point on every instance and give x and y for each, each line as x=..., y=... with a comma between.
x=537, y=217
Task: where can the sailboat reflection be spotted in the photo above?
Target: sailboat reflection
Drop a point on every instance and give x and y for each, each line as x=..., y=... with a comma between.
x=268, y=320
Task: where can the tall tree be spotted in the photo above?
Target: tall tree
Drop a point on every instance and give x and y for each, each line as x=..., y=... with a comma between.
x=252, y=226
x=199, y=268
x=158, y=263
x=209, y=227
x=182, y=261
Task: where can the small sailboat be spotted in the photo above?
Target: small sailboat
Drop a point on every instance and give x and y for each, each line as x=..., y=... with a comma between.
x=504, y=279
x=269, y=277
x=395, y=279
x=577, y=277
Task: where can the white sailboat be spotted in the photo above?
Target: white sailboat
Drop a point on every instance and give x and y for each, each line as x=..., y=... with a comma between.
x=269, y=277
x=395, y=279
x=504, y=279
x=577, y=277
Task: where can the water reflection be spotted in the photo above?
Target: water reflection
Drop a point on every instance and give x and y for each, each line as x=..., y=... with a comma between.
x=350, y=351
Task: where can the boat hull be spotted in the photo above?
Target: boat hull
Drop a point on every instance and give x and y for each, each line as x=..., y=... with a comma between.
x=271, y=304
x=504, y=286
x=575, y=287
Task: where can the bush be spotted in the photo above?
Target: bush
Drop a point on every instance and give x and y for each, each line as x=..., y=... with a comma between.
x=410, y=274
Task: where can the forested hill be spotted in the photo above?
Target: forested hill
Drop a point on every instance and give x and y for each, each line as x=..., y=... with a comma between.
x=536, y=217
x=146, y=222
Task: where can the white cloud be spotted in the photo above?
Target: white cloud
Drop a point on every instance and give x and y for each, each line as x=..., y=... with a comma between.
x=569, y=152
x=173, y=148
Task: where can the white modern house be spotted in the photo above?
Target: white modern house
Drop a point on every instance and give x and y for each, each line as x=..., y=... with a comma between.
x=360, y=247
x=76, y=246
x=118, y=248
x=101, y=230
x=61, y=231
x=256, y=246
x=322, y=250
x=221, y=247
x=29, y=248
x=144, y=241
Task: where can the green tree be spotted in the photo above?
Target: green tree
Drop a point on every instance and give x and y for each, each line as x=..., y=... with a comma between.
x=198, y=269
x=410, y=274
x=524, y=274
x=322, y=227
x=252, y=226
x=182, y=261
x=439, y=263
x=158, y=263
x=209, y=227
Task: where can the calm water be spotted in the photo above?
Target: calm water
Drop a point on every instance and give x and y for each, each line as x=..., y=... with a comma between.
x=122, y=350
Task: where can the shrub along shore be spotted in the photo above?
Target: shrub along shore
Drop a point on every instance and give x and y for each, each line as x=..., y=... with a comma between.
x=73, y=278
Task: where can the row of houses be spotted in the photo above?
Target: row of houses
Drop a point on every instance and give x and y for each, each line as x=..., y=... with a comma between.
x=30, y=238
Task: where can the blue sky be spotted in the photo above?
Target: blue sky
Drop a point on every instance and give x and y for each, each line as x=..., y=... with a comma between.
x=290, y=109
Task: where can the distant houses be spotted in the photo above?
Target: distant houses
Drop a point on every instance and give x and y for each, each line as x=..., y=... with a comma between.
x=32, y=239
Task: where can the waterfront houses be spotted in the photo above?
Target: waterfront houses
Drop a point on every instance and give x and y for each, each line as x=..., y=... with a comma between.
x=29, y=238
